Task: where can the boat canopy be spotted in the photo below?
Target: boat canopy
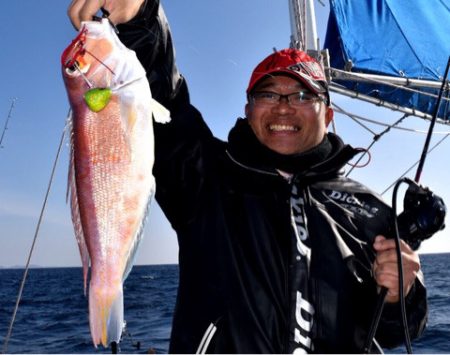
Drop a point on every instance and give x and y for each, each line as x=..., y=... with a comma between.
x=392, y=38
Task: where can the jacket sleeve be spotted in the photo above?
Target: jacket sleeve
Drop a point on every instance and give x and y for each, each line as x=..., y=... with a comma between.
x=390, y=331
x=148, y=34
x=183, y=145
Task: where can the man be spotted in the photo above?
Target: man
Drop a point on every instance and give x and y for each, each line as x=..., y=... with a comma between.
x=278, y=252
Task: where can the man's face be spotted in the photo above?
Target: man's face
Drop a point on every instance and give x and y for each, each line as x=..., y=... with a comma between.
x=285, y=128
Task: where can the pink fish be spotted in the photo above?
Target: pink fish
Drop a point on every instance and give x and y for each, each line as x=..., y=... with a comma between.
x=110, y=176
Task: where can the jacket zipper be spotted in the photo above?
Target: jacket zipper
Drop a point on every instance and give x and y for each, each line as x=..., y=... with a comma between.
x=287, y=282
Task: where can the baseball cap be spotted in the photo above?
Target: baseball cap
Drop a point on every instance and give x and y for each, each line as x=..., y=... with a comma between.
x=296, y=63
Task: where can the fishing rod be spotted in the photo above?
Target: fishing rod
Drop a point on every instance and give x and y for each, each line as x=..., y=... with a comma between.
x=7, y=121
x=433, y=122
x=423, y=215
x=36, y=233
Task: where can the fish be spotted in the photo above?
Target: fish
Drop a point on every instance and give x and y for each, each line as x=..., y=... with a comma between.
x=110, y=181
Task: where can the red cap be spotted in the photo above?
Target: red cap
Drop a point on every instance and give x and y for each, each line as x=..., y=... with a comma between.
x=295, y=63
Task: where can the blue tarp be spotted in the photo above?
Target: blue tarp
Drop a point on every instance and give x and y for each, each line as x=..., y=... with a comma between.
x=403, y=38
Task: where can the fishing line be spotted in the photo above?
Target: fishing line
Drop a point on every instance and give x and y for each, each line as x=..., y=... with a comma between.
x=400, y=269
x=383, y=293
x=7, y=120
x=83, y=76
x=27, y=266
x=415, y=164
x=100, y=61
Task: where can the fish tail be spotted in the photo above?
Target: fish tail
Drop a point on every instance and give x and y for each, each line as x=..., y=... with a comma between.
x=106, y=314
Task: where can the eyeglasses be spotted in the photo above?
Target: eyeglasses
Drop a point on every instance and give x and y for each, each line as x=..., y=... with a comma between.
x=300, y=98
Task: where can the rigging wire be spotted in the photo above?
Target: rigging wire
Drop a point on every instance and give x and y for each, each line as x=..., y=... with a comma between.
x=353, y=117
x=382, y=82
x=356, y=118
x=7, y=120
x=27, y=266
x=383, y=103
x=376, y=137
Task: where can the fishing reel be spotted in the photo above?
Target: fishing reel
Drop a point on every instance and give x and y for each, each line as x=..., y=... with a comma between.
x=423, y=214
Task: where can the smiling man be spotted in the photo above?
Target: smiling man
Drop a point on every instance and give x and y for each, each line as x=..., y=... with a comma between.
x=288, y=102
x=278, y=251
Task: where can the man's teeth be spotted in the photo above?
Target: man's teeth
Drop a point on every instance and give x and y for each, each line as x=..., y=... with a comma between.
x=279, y=127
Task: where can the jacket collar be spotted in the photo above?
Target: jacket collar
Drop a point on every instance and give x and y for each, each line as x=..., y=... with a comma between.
x=329, y=157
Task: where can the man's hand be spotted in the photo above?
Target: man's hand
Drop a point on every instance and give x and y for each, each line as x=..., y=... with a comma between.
x=120, y=11
x=385, y=267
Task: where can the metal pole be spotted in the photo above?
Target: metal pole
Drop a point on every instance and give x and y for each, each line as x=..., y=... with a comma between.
x=312, y=42
x=355, y=95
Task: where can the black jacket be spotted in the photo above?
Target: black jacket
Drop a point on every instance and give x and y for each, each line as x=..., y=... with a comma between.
x=232, y=215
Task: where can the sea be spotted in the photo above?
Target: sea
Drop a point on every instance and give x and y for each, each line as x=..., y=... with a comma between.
x=52, y=317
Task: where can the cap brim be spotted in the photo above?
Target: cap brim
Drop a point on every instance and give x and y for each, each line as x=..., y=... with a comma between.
x=310, y=83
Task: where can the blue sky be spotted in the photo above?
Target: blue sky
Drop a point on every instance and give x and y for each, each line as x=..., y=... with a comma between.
x=217, y=44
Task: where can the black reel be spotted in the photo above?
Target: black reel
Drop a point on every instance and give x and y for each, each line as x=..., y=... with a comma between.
x=423, y=214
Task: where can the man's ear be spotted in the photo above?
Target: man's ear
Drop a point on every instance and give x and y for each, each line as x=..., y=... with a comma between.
x=247, y=109
x=329, y=116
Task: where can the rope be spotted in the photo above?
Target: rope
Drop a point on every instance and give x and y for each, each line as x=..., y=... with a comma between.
x=27, y=266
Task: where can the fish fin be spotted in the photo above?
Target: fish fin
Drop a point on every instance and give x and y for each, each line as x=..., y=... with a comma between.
x=75, y=211
x=116, y=322
x=106, y=314
x=137, y=240
x=160, y=113
x=69, y=129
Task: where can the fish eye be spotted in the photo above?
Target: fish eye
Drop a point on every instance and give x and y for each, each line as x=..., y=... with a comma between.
x=72, y=68
x=75, y=68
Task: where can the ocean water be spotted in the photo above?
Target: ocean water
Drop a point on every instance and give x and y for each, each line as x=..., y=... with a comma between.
x=53, y=314
x=53, y=317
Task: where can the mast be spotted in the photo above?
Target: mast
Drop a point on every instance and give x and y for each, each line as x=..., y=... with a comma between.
x=303, y=25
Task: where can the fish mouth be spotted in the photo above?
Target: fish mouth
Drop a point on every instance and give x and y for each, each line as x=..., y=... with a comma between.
x=283, y=128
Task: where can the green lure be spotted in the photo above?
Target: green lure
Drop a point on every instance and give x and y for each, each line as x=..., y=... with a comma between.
x=97, y=99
